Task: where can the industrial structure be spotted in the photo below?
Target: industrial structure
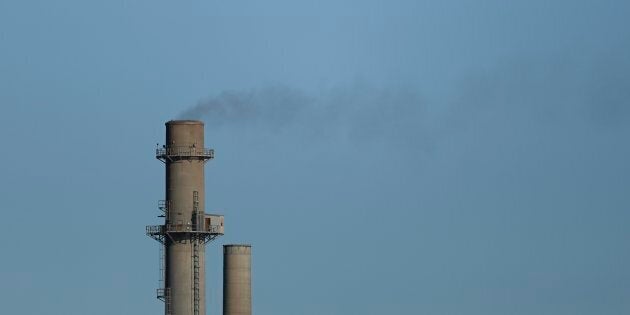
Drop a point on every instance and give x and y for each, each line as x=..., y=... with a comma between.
x=237, y=285
x=187, y=228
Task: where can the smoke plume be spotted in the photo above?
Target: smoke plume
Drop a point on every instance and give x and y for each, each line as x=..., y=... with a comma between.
x=525, y=94
x=357, y=111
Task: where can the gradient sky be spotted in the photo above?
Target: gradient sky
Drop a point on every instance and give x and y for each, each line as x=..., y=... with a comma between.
x=398, y=157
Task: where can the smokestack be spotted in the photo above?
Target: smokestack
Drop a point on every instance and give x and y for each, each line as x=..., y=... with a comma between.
x=187, y=228
x=237, y=282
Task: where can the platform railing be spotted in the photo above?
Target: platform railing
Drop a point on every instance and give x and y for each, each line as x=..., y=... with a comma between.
x=184, y=151
x=181, y=228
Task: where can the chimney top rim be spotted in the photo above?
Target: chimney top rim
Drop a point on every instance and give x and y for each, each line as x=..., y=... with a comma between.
x=184, y=122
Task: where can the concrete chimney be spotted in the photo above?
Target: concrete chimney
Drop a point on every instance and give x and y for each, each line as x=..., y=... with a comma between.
x=187, y=228
x=237, y=283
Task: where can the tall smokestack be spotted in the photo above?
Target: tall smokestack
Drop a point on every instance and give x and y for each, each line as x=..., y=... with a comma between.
x=237, y=280
x=187, y=228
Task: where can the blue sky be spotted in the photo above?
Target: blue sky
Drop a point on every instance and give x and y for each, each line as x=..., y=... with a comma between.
x=383, y=157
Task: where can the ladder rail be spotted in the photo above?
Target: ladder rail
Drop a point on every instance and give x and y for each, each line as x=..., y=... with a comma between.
x=195, y=255
x=196, y=289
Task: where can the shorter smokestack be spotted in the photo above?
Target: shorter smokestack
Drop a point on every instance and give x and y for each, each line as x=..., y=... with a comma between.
x=237, y=279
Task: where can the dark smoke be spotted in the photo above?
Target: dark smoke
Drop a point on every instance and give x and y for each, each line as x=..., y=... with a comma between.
x=271, y=106
x=526, y=94
x=356, y=112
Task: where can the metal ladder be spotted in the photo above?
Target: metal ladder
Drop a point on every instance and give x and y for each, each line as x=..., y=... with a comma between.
x=195, y=277
x=195, y=254
x=161, y=282
x=164, y=293
x=167, y=301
